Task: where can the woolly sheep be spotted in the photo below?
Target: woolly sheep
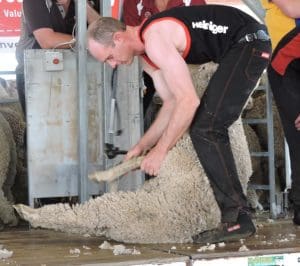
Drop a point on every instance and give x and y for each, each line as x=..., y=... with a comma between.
x=170, y=208
x=12, y=127
x=14, y=116
x=7, y=173
x=15, y=119
x=167, y=209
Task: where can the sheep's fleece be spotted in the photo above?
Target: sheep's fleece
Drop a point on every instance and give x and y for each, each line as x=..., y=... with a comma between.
x=12, y=128
x=170, y=208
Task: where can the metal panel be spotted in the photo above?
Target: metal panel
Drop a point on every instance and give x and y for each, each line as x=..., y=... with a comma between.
x=52, y=117
x=51, y=99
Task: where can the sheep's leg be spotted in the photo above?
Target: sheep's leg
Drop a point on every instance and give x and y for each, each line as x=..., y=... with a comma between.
x=53, y=216
x=79, y=218
x=117, y=171
x=25, y=212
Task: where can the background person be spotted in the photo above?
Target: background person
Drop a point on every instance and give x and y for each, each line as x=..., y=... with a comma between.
x=284, y=78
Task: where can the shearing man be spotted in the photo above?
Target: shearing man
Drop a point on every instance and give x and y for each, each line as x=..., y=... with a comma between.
x=166, y=43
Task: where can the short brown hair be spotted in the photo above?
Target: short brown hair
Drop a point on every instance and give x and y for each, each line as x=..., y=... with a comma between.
x=103, y=29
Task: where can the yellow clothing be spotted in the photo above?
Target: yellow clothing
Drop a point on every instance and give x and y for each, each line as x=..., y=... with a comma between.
x=277, y=23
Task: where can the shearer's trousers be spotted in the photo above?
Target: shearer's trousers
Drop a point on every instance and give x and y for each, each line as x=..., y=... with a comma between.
x=221, y=105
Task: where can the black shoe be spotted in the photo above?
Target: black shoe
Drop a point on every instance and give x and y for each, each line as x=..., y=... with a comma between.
x=296, y=219
x=243, y=228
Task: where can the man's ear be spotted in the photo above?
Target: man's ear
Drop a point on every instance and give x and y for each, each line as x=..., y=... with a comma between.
x=118, y=36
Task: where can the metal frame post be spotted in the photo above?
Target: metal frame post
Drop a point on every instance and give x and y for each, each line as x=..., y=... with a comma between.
x=271, y=157
x=81, y=59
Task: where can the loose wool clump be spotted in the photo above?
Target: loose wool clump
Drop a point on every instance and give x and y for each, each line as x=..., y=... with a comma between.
x=170, y=208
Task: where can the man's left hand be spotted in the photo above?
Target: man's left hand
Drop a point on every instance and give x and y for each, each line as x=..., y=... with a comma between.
x=297, y=122
x=152, y=162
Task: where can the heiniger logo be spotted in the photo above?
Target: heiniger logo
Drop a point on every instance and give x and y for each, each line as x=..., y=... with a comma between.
x=211, y=26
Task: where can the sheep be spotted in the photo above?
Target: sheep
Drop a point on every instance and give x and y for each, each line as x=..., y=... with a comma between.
x=7, y=173
x=14, y=116
x=170, y=208
x=12, y=127
x=16, y=121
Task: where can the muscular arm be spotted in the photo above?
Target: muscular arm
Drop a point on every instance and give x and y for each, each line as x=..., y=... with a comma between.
x=163, y=52
x=157, y=128
x=164, y=44
x=291, y=8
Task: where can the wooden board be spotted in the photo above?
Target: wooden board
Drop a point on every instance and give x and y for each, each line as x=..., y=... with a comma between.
x=45, y=247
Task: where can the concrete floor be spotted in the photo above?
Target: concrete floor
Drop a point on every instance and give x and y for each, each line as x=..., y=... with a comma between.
x=43, y=247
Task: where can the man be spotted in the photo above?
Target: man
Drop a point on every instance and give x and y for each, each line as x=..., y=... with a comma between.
x=194, y=35
x=284, y=78
x=134, y=13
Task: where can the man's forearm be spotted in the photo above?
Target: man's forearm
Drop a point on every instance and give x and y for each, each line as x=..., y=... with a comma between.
x=48, y=39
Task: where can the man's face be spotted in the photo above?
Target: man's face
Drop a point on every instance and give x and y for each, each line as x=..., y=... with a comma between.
x=119, y=54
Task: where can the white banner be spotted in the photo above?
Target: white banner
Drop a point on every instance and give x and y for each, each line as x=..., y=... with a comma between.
x=8, y=44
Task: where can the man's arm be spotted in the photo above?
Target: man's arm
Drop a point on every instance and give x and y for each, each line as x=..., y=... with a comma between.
x=163, y=44
x=157, y=128
x=163, y=52
x=48, y=38
x=291, y=8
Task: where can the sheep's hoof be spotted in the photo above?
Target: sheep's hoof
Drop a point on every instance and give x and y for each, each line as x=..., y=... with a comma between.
x=25, y=212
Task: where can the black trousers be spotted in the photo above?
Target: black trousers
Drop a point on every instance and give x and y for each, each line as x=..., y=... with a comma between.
x=286, y=91
x=221, y=105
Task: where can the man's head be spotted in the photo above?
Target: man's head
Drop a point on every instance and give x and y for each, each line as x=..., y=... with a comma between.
x=108, y=42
